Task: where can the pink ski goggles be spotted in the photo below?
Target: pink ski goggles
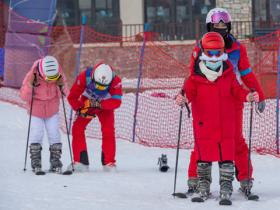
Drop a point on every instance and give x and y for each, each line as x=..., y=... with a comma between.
x=220, y=16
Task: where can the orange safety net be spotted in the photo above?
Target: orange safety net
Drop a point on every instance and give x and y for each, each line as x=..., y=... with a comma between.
x=165, y=66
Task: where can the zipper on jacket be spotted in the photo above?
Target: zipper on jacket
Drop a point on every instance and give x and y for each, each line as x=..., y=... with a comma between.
x=220, y=151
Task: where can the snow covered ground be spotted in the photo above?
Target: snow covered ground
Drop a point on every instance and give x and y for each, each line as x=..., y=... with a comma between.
x=137, y=185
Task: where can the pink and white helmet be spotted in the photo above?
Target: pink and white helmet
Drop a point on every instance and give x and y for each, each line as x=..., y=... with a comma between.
x=49, y=68
x=218, y=14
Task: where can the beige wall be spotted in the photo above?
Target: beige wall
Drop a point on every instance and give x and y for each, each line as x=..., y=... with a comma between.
x=132, y=12
x=240, y=10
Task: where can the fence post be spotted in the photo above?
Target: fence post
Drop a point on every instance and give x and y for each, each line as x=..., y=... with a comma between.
x=277, y=97
x=78, y=58
x=197, y=31
x=50, y=22
x=146, y=27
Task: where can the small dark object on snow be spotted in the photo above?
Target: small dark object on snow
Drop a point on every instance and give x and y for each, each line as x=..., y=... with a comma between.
x=67, y=172
x=180, y=195
x=162, y=162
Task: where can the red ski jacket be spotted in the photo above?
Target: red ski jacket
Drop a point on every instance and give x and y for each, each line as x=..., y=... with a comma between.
x=213, y=111
x=238, y=57
x=109, y=101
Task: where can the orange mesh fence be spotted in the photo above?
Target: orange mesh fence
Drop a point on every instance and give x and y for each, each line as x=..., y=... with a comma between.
x=165, y=65
x=263, y=54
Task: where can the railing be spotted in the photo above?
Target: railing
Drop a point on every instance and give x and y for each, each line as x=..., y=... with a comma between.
x=190, y=30
x=175, y=31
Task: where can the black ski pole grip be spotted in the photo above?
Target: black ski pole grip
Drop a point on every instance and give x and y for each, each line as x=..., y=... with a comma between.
x=186, y=104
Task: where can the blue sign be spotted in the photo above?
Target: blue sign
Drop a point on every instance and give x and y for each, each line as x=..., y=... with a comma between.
x=31, y=16
x=1, y=62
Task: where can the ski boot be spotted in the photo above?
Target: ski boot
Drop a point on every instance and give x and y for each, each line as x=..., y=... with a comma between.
x=192, y=185
x=204, y=181
x=226, y=178
x=55, y=155
x=35, y=155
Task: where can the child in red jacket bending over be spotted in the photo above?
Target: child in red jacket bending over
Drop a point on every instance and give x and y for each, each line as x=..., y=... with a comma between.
x=97, y=92
x=212, y=89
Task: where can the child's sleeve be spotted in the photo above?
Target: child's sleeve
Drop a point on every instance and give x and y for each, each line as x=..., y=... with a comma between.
x=26, y=88
x=65, y=88
x=238, y=91
x=76, y=91
x=190, y=89
x=116, y=95
x=247, y=75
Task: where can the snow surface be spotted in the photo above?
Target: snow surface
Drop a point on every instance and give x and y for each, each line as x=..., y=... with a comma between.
x=137, y=184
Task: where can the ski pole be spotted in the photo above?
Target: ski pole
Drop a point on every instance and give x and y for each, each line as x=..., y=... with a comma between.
x=67, y=131
x=181, y=195
x=250, y=141
x=29, y=121
x=78, y=58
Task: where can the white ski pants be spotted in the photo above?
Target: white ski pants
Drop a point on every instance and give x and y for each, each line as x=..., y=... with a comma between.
x=37, y=129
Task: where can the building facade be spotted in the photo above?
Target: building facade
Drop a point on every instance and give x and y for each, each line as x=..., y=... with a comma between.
x=171, y=19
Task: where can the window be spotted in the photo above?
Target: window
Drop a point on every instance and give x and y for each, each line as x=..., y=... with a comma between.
x=103, y=15
x=175, y=19
x=106, y=18
x=68, y=13
x=260, y=10
x=275, y=10
x=159, y=11
x=201, y=8
x=266, y=10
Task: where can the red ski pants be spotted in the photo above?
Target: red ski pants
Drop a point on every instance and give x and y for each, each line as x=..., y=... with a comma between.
x=79, y=145
x=241, y=150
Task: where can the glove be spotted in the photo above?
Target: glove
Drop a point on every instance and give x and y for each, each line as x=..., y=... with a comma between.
x=83, y=112
x=92, y=104
x=33, y=80
x=261, y=106
x=253, y=96
x=60, y=82
x=95, y=104
x=180, y=100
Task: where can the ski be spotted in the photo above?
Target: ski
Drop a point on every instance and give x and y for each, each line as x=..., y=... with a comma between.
x=67, y=172
x=180, y=195
x=250, y=196
x=225, y=202
x=199, y=199
x=40, y=173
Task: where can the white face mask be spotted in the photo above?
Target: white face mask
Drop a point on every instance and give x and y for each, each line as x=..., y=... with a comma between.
x=213, y=65
x=209, y=73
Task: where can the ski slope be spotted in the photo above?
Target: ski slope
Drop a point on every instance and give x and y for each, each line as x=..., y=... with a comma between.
x=137, y=184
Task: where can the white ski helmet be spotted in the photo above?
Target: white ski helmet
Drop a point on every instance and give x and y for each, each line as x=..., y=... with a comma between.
x=218, y=14
x=103, y=75
x=49, y=68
